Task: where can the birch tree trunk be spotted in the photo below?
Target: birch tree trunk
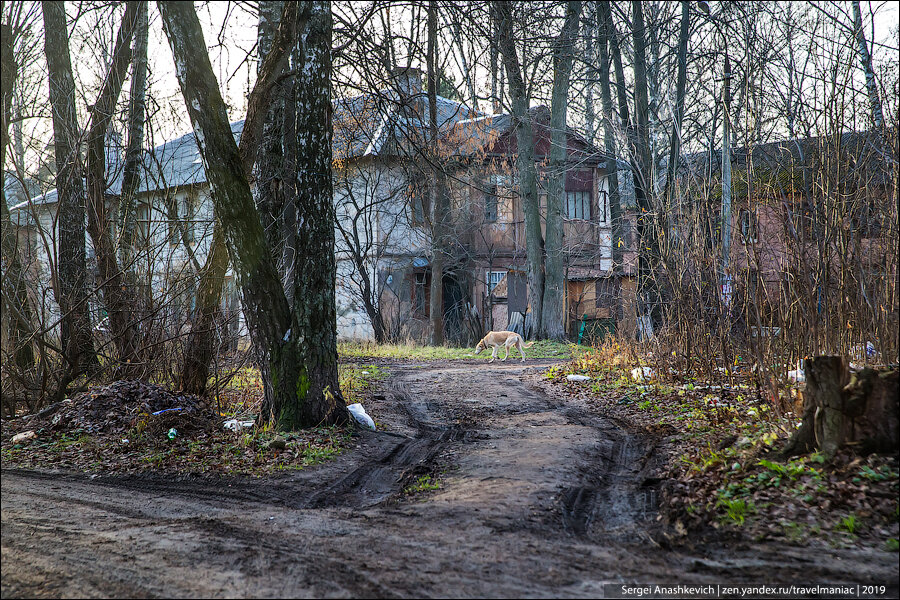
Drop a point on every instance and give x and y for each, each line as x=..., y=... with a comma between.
x=201, y=344
x=553, y=317
x=77, y=342
x=296, y=347
x=865, y=58
x=315, y=315
x=534, y=241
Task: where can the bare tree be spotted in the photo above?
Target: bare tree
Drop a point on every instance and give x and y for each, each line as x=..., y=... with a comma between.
x=553, y=316
x=296, y=345
x=71, y=264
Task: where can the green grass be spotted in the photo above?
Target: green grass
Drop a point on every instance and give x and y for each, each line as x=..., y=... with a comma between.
x=357, y=380
x=425, y=483
x=409, y=351
x=737, y=510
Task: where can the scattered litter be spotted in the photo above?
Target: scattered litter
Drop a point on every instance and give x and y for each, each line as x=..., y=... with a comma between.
x=124, y=440
x=364, y=372
x=159, y=412
x=642, y=374
x=578, y=378
x=470, y=399
x=359, y=413
x=23, y=437
x=717, y=402
x=235, y=425
x=172, y=433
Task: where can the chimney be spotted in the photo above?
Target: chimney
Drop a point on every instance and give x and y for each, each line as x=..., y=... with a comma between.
x=408, y=81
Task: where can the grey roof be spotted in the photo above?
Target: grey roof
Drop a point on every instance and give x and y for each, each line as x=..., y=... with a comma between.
x=177, y=163
x=379, y=123
x=364, y=125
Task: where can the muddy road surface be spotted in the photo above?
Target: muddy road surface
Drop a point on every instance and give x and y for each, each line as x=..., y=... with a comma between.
x=538, y=497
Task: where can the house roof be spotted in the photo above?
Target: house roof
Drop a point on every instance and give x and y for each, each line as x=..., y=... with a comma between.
x=364, y=125
x=778, y=165
x=494, y=134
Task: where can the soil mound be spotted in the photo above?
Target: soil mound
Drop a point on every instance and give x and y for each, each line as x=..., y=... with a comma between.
x=123, y=405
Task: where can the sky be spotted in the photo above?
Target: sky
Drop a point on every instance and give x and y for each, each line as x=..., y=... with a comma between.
x=230, y=33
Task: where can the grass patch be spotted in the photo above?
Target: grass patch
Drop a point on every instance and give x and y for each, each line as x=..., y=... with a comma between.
x=409, y=351
x=358, y=381
x=425, y=483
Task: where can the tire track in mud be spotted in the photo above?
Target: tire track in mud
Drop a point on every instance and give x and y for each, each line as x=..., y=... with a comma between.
x=538, y=497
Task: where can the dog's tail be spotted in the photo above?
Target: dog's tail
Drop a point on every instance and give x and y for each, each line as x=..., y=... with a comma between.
x=528, y=345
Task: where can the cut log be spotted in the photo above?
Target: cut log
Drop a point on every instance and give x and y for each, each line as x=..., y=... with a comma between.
x=841, y=409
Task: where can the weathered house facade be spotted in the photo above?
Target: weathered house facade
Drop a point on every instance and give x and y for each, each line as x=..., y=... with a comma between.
x=383, y=161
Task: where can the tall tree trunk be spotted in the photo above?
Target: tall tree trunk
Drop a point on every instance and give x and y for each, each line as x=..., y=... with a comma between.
x=201, y=344
x=643, y=183
x=77, y=342
x=134, y=152
x=553, y=317
x=315, y=315
x=494, y=59
x=605, y=31
x=865, y=58
x=119, y=302
x=297, y=349
x=534, y=241
x=675, y=141
x=590, y=128
x=436, y=190
x=16, y=304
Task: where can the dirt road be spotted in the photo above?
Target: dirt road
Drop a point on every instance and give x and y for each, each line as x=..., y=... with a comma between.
x=537, y=498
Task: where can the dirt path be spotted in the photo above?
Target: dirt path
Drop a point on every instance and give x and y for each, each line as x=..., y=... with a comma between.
x=538, y=498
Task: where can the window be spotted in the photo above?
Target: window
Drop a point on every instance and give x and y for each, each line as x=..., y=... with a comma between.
x=420, y=293
x=578, y=205
x=419, y=206
x=493, y=278
x=490, y=204
x=604, y=206
x=188, y=215
x=749, y=226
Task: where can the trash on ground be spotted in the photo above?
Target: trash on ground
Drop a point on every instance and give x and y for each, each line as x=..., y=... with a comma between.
x=159, y=412
x=172, y=433
x=235, y=425
x=359, y=413
x=578, y=378
x=642, y=373
x=23, y=437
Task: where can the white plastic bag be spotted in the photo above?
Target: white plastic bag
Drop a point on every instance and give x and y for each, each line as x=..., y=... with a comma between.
x=359, y=413
x=578, y=378
x=642, y=374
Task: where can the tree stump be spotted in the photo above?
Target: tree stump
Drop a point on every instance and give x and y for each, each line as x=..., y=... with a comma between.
x=841, y=409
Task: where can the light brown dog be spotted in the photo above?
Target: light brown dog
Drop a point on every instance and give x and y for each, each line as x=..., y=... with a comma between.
x=507, y=339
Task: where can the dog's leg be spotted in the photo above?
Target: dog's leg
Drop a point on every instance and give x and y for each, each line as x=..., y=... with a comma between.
x=507, y=352
x=493, y=354
x=521, y=349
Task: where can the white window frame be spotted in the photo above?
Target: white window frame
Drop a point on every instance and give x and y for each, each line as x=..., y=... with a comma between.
x=493, y=278
x=578, y=200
